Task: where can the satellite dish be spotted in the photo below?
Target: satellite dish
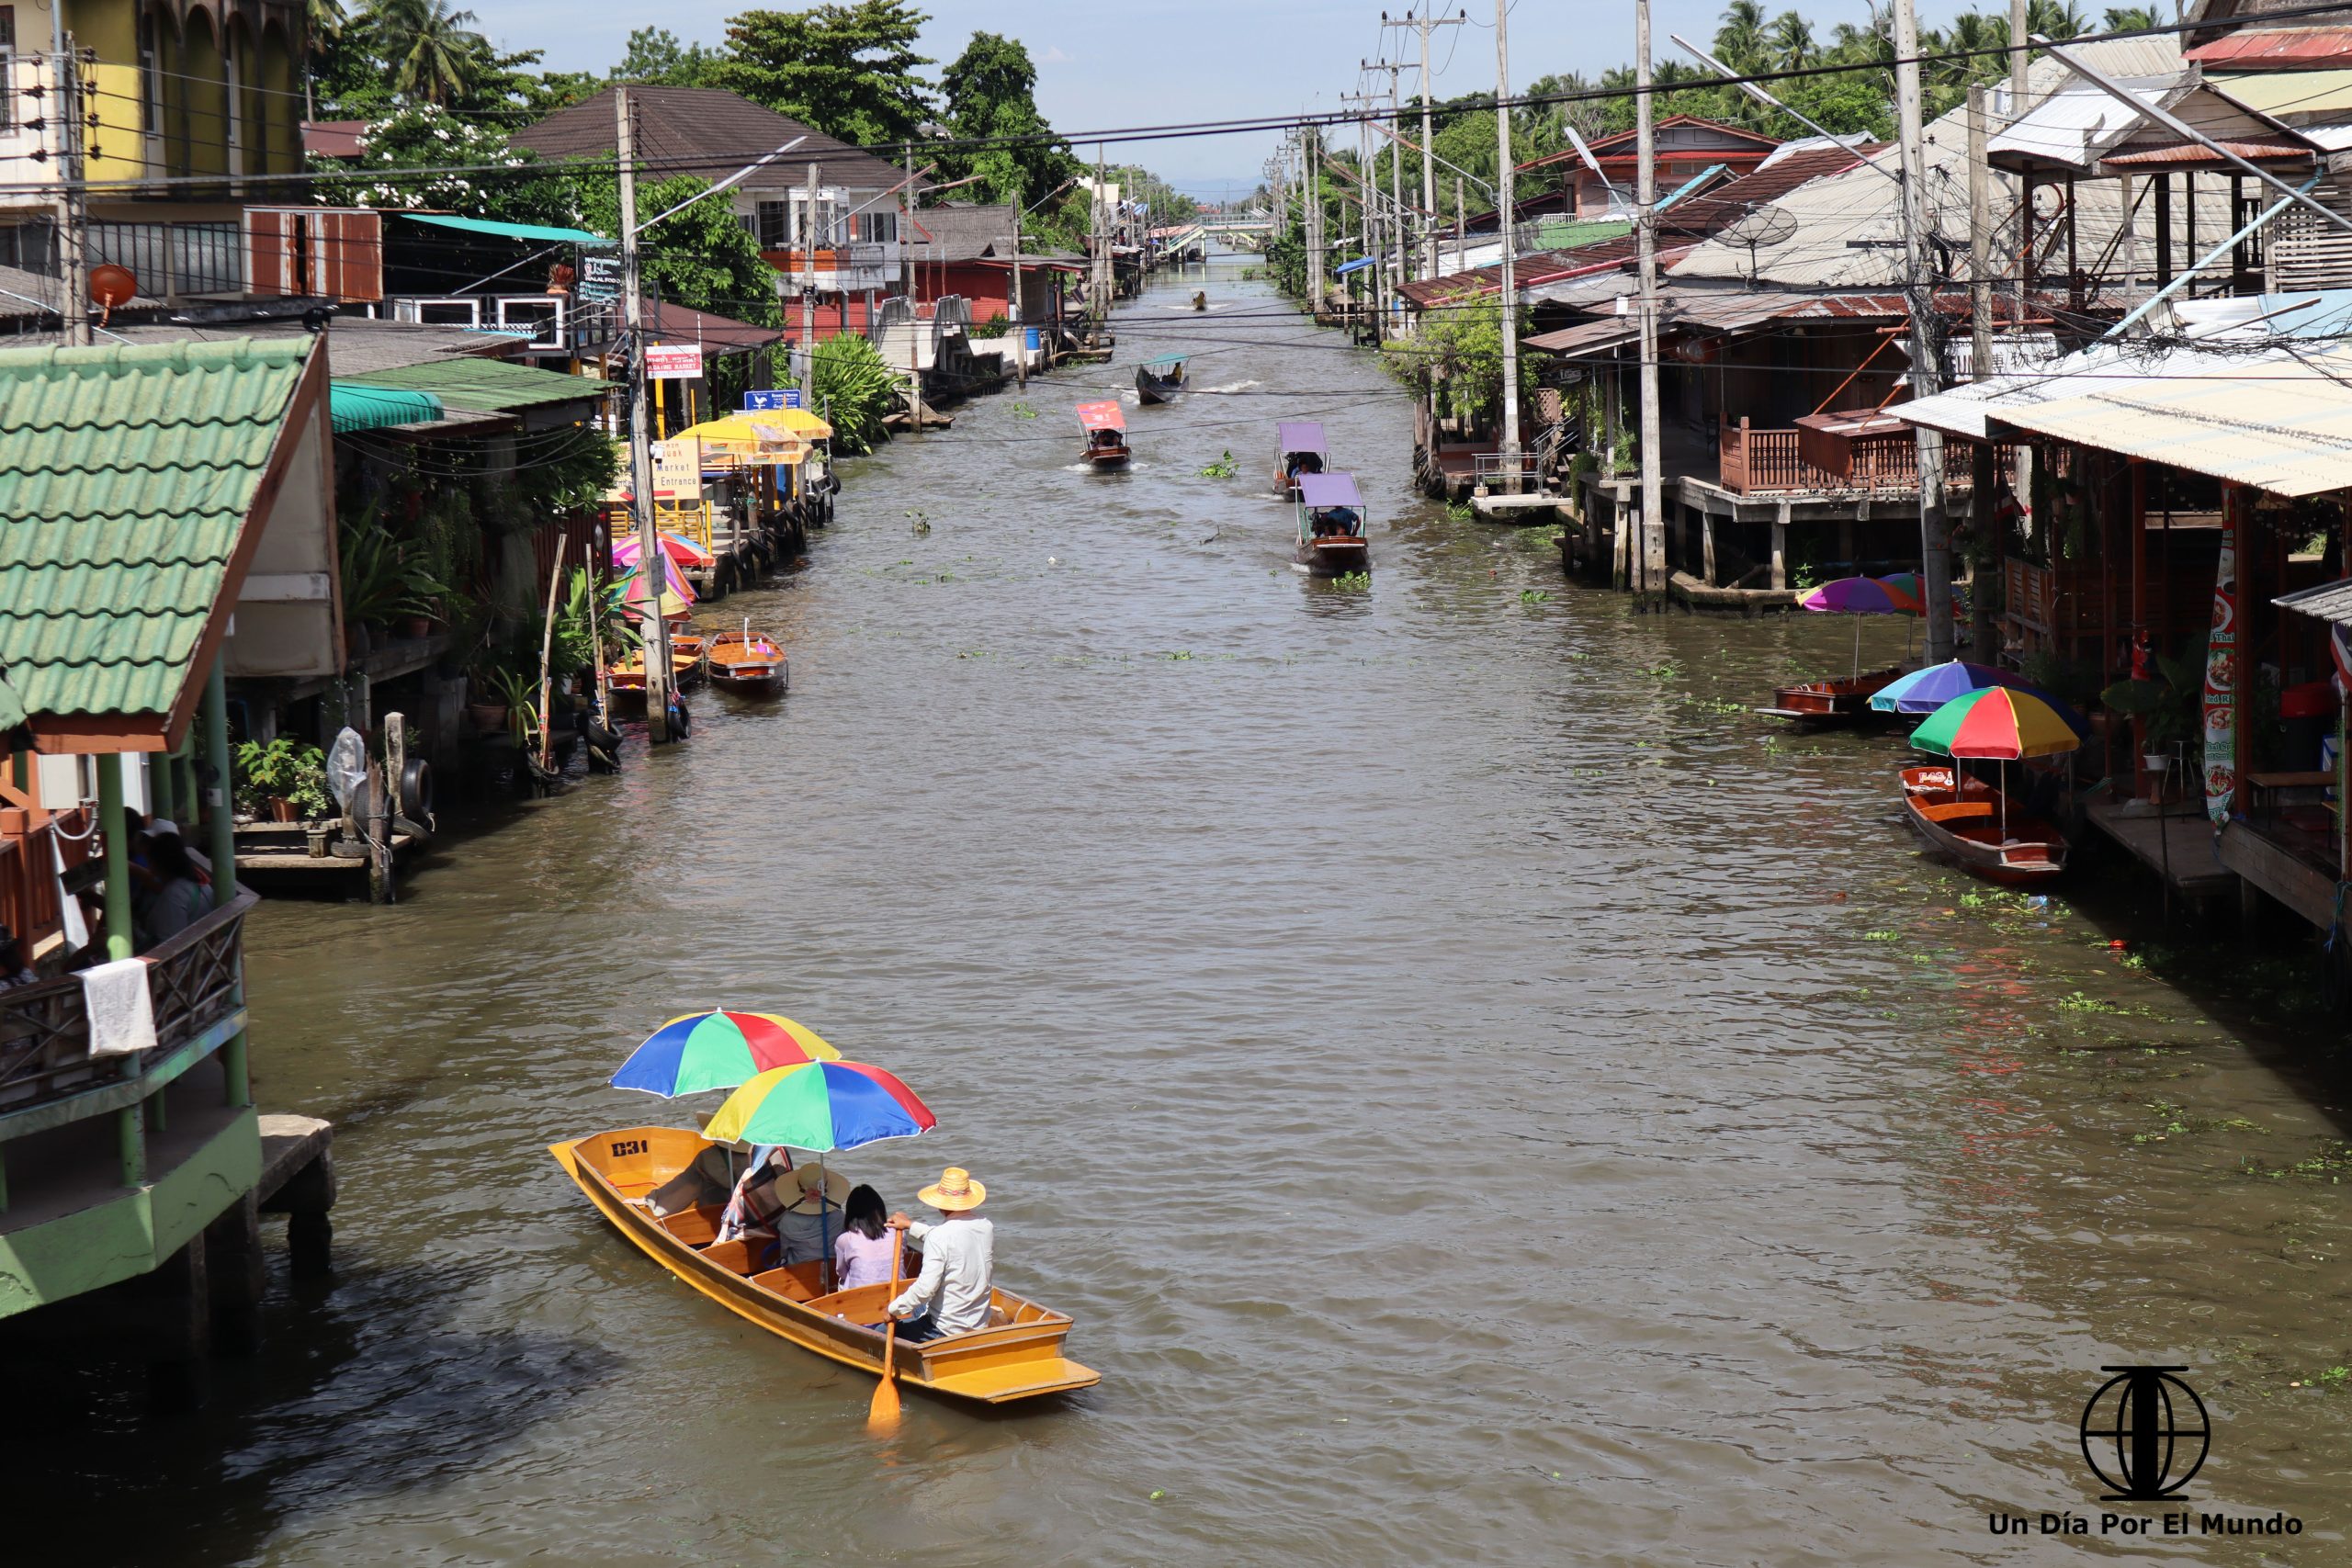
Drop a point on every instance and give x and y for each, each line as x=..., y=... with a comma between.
x=1760, y=229
x=111, y=285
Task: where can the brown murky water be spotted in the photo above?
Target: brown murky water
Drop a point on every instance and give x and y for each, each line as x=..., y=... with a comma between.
x=1484, y=1096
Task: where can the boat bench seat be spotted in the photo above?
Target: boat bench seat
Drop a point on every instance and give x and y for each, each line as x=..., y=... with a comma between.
x=695, y=1227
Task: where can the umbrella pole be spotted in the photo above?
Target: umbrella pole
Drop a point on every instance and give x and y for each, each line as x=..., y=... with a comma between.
x=2003, y=765
x=1857, y=647
x=824, y=1232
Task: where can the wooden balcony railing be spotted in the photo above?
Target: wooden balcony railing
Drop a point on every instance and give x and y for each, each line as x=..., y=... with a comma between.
x=45, y=1028
x=31, y=844
x=1766, y=460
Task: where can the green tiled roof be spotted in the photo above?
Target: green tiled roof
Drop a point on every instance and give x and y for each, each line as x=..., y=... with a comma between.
x=492, y=385
x=125, y=476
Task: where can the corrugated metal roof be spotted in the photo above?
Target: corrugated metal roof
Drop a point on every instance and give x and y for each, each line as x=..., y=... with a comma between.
x=353, y=407
x=496, y=385
x=1589, y=337
x=2275, y=47
x=2171, y=154
x=2074, y=126
x=1848, y=231
x=2277, y=418
x=2328, y=602
x=2289, y=95
x=125, y=477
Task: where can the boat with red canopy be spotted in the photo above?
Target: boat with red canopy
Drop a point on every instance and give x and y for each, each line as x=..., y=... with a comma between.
x=1331, y=542
x=1106, y=434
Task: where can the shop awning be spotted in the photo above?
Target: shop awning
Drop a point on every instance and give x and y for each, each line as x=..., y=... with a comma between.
x=353, y=407
x=498, y=386
x=2329, y=601
x=1589, y=337
x=539, y=232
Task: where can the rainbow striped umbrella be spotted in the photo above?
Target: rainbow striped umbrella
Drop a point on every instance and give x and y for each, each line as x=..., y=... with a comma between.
x=821, y=1106
x=681, y=551
x=1999, y=721
x=718, y=1050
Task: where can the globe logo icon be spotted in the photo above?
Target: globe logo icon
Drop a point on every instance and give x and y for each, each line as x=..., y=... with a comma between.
x=2145, y=1433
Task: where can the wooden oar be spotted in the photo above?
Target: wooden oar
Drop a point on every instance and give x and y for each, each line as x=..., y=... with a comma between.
x=882, y=1416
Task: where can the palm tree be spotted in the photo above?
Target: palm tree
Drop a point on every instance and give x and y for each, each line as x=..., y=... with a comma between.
x=2057, y=20
x=1739, y=42
x=1793, y=46
x=2130, y=18
x=433, y=55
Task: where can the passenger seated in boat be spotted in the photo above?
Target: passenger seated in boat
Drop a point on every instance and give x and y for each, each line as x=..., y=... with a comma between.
x=752, y=1209
x=862, y=1253
x=1335, y=521
x=1303, y=462
x=708, y=1181
x=804, y=1229
x=953, y=1294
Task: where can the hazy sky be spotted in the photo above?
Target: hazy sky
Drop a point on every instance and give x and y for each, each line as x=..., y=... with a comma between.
x=1118, y=63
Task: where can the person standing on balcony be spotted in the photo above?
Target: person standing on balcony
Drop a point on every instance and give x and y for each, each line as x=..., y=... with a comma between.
x=179, y=899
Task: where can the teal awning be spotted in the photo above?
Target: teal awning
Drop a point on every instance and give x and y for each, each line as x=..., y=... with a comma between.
x=509, y=230
x=354, y=407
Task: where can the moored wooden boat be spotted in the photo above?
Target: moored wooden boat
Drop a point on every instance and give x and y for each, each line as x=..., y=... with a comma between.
x=1019, y=1356
x=1986, y=835
x=1331, y=540
x=1817, y=704
x=1106, y=434
x=626, y=673
x=749, y=665
x=1935, y=779
x=1299, y=448
x=1158, y=380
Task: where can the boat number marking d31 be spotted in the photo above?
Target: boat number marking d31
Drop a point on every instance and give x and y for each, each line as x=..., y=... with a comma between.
x=628, y=1146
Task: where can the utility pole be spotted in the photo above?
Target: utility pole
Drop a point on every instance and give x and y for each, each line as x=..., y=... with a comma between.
x=1368, y=191
x=1423, y=22
x=1935, y=532
x=1652, y=571
x=72, y=226
x=2019, y=28
x=809, y=296
x=1020, y=329
x=1396, y=189
x=650, y=558
x=1981, y=473
x=1460, y=228
x=1508, y=451
x=1313, y=137
x=1099, y=283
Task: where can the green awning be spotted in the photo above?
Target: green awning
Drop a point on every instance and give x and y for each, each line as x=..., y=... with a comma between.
x=509, y=230
x=354, y=407
x=495, y=386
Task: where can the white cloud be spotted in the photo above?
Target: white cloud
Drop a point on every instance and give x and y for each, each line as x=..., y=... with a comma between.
x=1054, y=56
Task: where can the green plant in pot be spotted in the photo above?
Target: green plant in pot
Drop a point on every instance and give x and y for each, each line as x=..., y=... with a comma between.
x=269, y=775
x=382, y=582
x=2171, y=704
x=311, y=798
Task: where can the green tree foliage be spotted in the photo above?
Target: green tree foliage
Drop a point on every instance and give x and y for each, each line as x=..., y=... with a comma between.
x=1460, y=357
x=420, y=136
x=991, y=92
x=702, y=257
x=656, y=58
x=848, y=70
x=396, y=53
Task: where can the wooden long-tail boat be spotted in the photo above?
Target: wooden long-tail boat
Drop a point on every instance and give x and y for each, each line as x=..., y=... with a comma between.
x=626, y=673
x=1299, y=448
x=1331, y=541
x=1988, y=836
x=1018, y=1356
x=1935, y=779
x=1818, y=704
x=1106, y=434
x=749, y=665
x=1158, y=380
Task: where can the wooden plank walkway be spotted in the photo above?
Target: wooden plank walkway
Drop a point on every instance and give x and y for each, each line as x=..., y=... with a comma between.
x=2178, y=845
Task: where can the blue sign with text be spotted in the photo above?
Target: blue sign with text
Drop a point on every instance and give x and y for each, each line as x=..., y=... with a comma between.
x=772, y=398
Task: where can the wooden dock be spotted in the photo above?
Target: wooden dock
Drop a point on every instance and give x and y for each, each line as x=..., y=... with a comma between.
x=2178, y=845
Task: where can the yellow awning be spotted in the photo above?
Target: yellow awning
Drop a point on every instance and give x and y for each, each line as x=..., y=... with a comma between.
x=745, y=426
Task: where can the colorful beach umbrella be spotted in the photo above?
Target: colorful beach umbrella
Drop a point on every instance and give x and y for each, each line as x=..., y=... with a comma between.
x=1998, y=722
x=720, y=1049
x=681, y=551
x=1858, y=596
x=1908, y=589
x=821, y=1106
x=677, y=596
x=1925, y=690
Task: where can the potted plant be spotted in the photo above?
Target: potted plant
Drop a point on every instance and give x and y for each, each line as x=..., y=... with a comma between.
x=513, y=692
x=381, y=583
x=272, y=772
x=2171, y=704
x=311, y=798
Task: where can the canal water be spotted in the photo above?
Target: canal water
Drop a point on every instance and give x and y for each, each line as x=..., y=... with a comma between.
x=1484, y=1095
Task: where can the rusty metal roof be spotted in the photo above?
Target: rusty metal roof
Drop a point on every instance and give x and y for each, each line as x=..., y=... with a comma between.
x=2271, y=48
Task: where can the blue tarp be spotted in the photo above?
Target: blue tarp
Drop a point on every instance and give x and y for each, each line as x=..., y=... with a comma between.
x=353, y=407
x=1356, y=266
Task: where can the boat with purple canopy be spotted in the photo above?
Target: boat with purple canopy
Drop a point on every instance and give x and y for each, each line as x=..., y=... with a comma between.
x=1331, y=542
x=1299, y=448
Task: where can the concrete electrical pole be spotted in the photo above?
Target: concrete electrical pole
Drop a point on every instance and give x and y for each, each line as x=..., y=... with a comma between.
x=808, y=295
x=1935, y=531
x=1652, y=569
x=1507, y=214
x=1422, y=23
x=650, y=558
x=1020, y=331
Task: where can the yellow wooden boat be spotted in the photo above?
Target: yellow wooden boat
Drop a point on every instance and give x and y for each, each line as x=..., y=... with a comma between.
x=1018, y=1356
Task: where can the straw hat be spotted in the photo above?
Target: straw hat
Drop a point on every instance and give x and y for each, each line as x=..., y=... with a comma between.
x=808, y=1175
x=954, y=1190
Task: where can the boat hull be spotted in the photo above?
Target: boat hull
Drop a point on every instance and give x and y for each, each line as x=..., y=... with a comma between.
x=1333, y=557
x=1020, y=1357
x=1970, y=829
x=1108, y=457
x=753, y=669
x=1819, y=705
x=1150, y=389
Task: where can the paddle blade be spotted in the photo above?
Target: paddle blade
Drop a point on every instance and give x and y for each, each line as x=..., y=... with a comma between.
x=882, y=1416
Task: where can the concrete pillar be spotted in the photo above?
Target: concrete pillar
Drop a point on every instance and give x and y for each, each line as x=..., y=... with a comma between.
x=1707, y=546
x=1781, y=546
x=236, y=1275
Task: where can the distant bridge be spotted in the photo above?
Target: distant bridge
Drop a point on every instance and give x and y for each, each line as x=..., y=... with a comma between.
x=1246, y=231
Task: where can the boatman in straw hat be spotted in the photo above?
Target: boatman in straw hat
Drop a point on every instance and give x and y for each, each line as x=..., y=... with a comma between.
x=951, y=1296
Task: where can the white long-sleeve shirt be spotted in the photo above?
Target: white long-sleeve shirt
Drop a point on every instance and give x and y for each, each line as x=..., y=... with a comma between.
x=958, y=1266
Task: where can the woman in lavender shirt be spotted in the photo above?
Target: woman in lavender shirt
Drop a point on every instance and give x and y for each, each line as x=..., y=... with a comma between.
x=862, y=1252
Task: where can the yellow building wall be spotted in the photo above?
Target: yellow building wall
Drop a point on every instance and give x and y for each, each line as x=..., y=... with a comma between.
x=208, y=96
x=283, y=108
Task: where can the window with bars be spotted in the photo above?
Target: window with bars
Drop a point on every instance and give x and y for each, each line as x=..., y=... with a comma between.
x=775, y=225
